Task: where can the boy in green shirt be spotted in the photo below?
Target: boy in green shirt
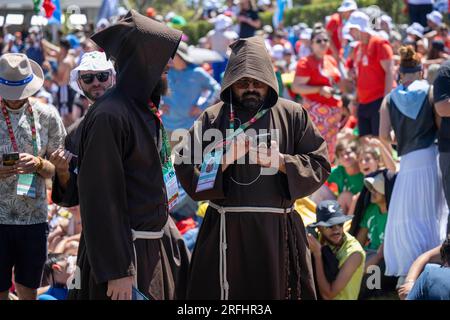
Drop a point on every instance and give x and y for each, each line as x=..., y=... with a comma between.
x=347, y=175
x=371, y=232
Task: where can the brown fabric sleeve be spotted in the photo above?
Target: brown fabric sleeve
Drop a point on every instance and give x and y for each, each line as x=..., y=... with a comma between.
x=103, y=199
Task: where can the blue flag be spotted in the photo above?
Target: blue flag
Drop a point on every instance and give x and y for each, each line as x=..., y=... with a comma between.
x=279, y=13
x=56, y=17
x=107, y=9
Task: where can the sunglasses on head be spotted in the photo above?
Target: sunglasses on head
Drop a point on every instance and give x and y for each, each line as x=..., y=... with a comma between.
x=319, y=41
x=245, y=83
x=340, y=225
x=88, y=78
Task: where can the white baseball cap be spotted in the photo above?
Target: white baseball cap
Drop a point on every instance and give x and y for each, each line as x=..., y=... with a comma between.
x=375, y=183
x=90, y=61
x=306, y=34
x=359, y=20
x=277, y=52
x=347, y=5
x=435, y=17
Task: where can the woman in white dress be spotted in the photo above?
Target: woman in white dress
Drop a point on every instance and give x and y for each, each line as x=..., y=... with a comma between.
x=417, y=213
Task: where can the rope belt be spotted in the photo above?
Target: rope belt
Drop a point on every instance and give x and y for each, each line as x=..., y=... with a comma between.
x=224, y=286
x=147, y=235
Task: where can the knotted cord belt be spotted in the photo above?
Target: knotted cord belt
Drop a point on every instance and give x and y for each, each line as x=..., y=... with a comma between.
x=147, y=235
x=224, y=285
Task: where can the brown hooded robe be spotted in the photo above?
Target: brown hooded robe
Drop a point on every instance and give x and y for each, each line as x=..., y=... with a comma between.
x=267, y=254
x=120, y=178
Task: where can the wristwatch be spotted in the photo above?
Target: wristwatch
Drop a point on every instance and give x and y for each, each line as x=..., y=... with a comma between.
x=40, y=164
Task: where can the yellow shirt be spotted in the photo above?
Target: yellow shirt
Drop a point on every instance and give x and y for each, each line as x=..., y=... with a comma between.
x=350, y=246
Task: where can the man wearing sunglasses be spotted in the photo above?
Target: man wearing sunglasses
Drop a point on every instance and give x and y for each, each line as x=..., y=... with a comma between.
x=349, y=253
x=252, y=244
x=92, y=78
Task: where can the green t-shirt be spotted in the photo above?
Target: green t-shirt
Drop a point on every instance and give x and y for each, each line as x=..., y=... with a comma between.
x=375, y=221
x=346, y=182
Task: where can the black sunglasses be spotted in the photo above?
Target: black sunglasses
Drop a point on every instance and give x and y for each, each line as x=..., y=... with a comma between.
x=319, y=41
x=88, y=78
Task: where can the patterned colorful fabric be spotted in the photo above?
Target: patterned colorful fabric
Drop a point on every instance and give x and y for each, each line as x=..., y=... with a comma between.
x=327, y=120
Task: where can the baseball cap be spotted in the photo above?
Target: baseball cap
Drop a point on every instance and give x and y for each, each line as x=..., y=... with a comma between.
x=375, y=183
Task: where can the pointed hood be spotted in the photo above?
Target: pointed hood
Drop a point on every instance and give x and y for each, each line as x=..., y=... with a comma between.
x=141, y=48
x=249, y=58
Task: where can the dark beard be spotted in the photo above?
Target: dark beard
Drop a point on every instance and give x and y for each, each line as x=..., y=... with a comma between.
x=250, y=100
x=161, y=89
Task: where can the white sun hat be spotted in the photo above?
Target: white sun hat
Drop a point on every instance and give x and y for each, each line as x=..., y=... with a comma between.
x=91, y=61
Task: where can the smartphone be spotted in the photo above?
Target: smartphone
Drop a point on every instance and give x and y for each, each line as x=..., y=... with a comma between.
x=10, y=159
x=137, y=295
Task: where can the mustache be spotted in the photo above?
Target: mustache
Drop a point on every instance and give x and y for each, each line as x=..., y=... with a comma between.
x=251, y=93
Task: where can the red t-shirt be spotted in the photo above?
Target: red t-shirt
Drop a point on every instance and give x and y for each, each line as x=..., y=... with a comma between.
x=370, y=74
x=334, y=26
x=319, y=73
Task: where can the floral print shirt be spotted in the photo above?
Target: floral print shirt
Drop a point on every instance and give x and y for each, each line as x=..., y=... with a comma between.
x=50, y=132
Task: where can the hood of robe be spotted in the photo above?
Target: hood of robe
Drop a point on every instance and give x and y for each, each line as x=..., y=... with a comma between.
x=141, y=48
x=249, y=58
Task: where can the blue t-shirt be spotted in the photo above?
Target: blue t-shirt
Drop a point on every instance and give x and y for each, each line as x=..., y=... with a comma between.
x=433, y=284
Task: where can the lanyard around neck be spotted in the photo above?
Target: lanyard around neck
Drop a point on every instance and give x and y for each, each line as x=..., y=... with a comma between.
x=11, y=131
x=165, y=151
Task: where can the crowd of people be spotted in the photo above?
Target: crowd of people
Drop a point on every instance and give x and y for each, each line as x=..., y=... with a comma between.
x=103, y=194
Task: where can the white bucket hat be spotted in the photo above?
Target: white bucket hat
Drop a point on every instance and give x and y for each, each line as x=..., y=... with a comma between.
x=20, y=77
x=222, y=22
x=347, y=5
x=91, y=61
x=416, y=29
x=435, y=17
x=359, y=20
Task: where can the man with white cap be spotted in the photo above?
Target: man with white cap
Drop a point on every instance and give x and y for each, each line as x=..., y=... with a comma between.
x=92, y=78
x=373, y=63
x=218, y=40
x=335, y=24
x=29, y=133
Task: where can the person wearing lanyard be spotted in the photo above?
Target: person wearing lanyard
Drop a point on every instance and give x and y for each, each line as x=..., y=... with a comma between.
x=252, y=244
x=126, y=182
x=29, y=133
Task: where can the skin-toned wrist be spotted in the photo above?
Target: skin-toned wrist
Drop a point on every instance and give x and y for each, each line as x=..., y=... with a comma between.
x=39, y=164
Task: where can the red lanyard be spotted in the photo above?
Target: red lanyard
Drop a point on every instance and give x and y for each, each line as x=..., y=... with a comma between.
x=244, y=126
x=11, y=132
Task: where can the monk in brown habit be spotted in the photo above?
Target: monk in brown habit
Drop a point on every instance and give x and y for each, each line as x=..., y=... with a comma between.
x=252, y=244
x=122, y=193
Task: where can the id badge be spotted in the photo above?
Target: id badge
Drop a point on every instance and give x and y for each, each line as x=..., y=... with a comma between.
x=365, y=61
x=171, y=182
x=208, y=170
x=26, y=185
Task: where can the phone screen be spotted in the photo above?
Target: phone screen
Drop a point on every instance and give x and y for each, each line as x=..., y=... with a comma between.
x=10, y=159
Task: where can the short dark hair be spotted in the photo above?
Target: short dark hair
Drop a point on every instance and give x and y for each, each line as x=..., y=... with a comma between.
x=64, y=43
x=445, y=251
